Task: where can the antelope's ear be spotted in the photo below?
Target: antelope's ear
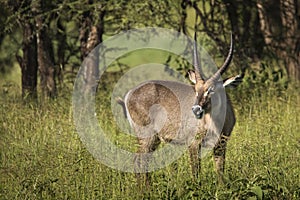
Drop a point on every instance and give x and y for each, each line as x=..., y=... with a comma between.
x=233, y=82
x=192, y=76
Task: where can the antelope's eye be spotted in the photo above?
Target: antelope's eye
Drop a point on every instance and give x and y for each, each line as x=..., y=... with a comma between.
x=209, y=91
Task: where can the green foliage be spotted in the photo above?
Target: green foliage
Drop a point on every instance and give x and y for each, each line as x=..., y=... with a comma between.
x=267, y=75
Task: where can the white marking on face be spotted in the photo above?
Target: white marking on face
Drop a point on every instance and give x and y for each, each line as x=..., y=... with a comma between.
x=206, y=93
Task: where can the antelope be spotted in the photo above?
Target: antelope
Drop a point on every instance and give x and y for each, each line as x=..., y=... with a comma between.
x=169, y=111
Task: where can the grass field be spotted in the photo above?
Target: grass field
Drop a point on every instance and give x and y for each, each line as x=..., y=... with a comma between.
x=42, y=156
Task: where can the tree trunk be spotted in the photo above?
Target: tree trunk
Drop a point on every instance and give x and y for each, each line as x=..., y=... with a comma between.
x=280, y=25
x=45, y=53
x=61, y=52
x=244, y=23
x=90, y=37
x=291, y=43
x=28, y=62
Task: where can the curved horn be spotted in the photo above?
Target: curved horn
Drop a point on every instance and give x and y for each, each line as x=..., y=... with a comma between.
x=222, y=69
x=197, y=66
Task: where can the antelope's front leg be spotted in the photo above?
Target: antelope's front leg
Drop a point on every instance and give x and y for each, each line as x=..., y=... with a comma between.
x=195, y=159
x=219, y=157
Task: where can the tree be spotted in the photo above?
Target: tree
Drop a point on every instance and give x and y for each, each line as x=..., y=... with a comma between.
x=44, y=50
x=27, y=62
x=111, y=17
x=91, y=33
x=261, y=28
x=36, y=46
x=280, y=25
x=244, y=23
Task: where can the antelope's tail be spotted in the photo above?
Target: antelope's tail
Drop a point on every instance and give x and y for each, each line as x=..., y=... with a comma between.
x=122, y=103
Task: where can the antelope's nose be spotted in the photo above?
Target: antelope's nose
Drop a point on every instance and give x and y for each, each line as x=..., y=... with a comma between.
x=198, y=111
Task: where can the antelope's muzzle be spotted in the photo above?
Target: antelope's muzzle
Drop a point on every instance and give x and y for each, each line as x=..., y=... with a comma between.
x=198, y=111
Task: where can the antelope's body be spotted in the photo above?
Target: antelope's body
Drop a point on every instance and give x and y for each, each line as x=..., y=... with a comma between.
x=168, y=111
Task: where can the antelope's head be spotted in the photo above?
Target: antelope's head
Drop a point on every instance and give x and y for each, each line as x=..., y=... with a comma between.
x=204, y=88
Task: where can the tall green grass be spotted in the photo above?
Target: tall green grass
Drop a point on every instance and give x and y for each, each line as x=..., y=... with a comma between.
x=42, y=157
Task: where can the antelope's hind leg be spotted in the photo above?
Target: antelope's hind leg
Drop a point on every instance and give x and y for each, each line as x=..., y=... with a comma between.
x=144, y=157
